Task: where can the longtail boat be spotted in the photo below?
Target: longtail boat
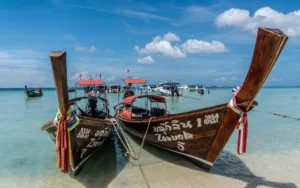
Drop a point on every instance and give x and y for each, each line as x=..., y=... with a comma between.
x=92, y=86
x=71, y=90
x=201, y=135
x=78, y=133
x=129, y=81
x=36, y=92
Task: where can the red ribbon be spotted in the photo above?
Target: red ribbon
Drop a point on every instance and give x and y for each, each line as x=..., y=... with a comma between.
x=242, y=126
x=62, y=145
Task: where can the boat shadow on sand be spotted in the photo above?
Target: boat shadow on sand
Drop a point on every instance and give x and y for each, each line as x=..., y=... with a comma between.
x=227, y=165
x=103, y=166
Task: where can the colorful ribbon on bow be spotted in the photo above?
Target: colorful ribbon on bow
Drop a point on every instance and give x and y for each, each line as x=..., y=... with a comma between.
x=242, y=124
x=236, y=90
x=63, y=145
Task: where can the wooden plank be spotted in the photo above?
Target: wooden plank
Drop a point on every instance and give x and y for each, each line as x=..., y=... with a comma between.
x=59, y=68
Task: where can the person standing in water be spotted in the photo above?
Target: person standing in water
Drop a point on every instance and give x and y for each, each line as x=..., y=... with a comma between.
x=208, y=91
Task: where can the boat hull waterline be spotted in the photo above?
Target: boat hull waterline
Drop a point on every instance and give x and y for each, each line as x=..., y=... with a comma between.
x=190, y=134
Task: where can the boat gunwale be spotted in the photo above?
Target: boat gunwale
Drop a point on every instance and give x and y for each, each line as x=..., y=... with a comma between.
x=202, y=110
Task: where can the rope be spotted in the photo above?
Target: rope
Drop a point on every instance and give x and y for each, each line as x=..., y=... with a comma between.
x=128, y=150
x=131, y=152
x=276, y=114
x=142, y=144
x=191, y=97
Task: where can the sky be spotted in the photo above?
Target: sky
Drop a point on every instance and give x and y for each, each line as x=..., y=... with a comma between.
x=191, y=42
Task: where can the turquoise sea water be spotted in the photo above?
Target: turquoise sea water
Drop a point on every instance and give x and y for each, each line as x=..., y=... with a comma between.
x=27, y=157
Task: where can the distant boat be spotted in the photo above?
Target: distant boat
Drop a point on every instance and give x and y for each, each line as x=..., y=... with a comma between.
x=130, y=81
x=71, y=90
x=37, y=92
x=152, y=86
x=115, y=88
x=169, y=88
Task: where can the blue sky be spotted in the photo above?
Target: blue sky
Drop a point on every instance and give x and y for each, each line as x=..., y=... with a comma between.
x=192, y=42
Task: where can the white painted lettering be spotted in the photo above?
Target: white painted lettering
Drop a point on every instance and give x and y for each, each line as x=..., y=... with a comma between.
x=180, y=146
x=84, y=133
x=199, y=122
x=82, y=152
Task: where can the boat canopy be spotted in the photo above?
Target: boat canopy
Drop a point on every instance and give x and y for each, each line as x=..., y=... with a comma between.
x=153, y=98
x=90, y=82
x=134, y=81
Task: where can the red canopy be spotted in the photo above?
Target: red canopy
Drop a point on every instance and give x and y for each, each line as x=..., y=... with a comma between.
x=90, y=82
x=134, y=81
x=153, y=98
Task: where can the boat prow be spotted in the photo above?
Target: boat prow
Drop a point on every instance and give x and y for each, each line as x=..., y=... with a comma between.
x=78, y=133
x=201, y=135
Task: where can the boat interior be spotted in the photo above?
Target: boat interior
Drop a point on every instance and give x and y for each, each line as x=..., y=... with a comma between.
x=134, y=112
x=92, y=108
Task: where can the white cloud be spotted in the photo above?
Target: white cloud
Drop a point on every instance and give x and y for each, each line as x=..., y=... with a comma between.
x=145, y=60
x=143, y=15
x=23, y=57
x=163, y=45
x=110, y=51
x=70, y=36
x=85, y=49
x=200, y=46
x=198, y=14
x=234, y=78
x=76, y=76
x=263, y=17
x=4, y=54
x=110, y=79
x=222, y=79
x=171, y=37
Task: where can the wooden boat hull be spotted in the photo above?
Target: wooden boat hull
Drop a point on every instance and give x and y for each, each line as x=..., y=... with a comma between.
x=86, y=138
x=190, y=134
x=202, y=134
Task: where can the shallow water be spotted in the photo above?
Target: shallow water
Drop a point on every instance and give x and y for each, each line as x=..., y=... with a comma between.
x=27, y=157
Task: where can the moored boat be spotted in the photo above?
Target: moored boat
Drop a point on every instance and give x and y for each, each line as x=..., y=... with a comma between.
x=153, y=87
x=114, y=88
x=129, y=81
x=36, y=92
x=71, y=90
x=200, y=135
x=94, y=87
x=169, y=88
x=78, y=133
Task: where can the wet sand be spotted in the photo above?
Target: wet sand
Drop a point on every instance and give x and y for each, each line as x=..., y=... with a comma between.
x=162, y=169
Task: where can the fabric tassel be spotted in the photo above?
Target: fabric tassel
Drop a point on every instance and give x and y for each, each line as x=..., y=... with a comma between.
x=63, y=144
x=243, y=133
x=242, y=125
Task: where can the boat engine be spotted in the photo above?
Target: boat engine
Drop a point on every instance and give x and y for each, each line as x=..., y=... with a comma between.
x=92, y=106
x=128, y=93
